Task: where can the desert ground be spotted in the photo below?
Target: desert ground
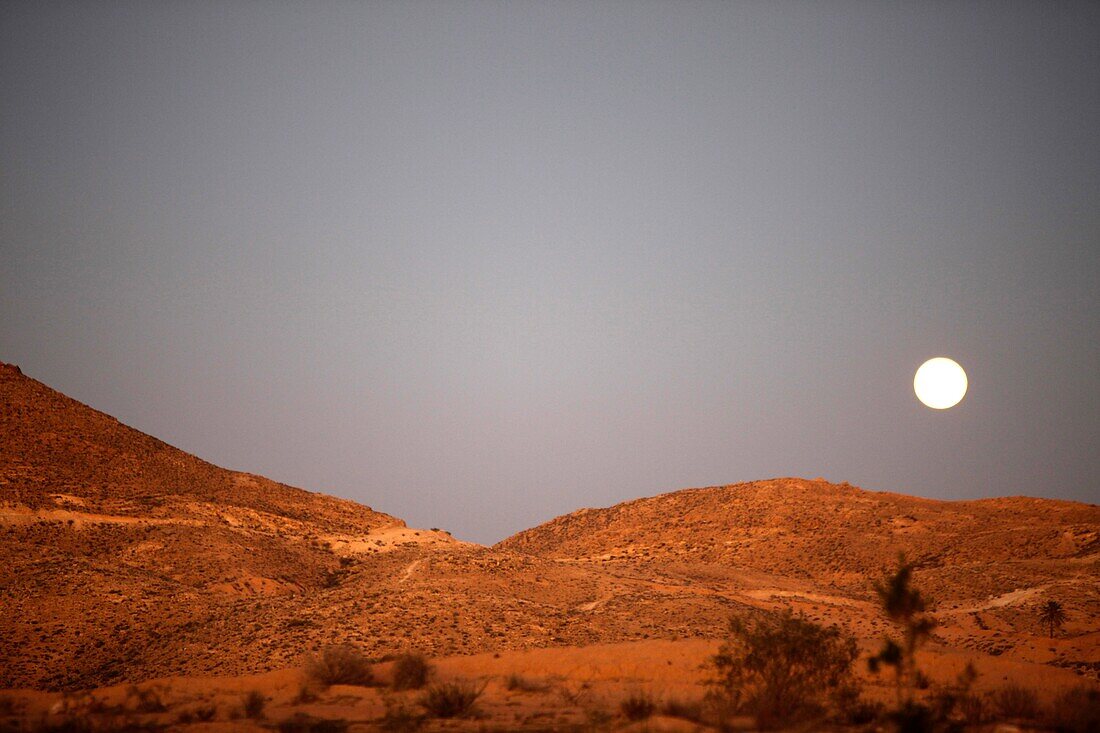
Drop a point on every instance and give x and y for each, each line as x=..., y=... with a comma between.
x=143, y=588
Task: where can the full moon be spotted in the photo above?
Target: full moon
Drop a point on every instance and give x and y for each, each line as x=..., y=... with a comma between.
x=940, y=383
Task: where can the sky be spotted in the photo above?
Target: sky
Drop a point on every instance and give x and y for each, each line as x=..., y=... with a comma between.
x=478, y=264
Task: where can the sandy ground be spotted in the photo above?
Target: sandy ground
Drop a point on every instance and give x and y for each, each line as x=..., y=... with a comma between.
x=572, y=688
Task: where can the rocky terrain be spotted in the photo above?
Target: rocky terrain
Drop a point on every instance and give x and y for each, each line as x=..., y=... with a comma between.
x=123, y=559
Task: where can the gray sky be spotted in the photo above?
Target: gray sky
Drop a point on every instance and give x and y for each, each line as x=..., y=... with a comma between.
x=480, y=264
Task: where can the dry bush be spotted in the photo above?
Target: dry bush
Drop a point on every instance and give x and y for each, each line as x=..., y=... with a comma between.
x=410, y=672
x=145, y=701
x=691, y=710
x=339, y=665
x=253, y=705
x=1076, y=711
x=518, y=683
x=1016, y=702
x=780, y=667
x=302, y=723
x=400, y=719
x=9, y=706
x=451, y=699
x=306, y=694
x=637, y=705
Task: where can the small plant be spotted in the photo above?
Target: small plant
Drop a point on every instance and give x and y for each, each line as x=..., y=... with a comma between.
x=206, y=713
x=518, y=683
x=684, y=709
x=145, y=701
x=451, y=699
x=780, y=667
x=302, y=723
x=1052, y=615
x=598, y=717
x=400, y=719
x=1076, y=711
x=905, y=606
x=306, y=694
x=253, y=705
x=9, y=706
x=1016, y=702
x=410, y=672
x=339, y=665
x=637, y=705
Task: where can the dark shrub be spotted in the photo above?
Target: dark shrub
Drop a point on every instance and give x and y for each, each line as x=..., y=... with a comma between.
x=1016, y=702
x=400, y=719
x=339, y=665
x=913, y=717
x=637, y=705
x=451, y=699
x=253, y=705
x=145, y=701
x=1076, y=711
x=684, y=709
x=302, y=723
x=780, y=667
x=518, y=683
x=410, y=672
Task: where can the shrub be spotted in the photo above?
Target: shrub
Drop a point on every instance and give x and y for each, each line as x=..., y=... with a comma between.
x=637, y=705
x=779, y=667
x=1016, y=702
x=400, y=719
x=904, y=606
x=147, y=700
x=302, y=723
x=913, y=717
x=518, y=683
x=253, y=706
x=1076, y=711
x=684, y=709
x=339, y=665
x=451, y=699
x=851, y=708
x=410, y=672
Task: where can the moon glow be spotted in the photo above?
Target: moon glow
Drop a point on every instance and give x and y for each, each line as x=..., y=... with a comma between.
x=940, y=383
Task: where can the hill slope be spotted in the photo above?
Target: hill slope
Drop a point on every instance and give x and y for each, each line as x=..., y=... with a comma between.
x=123, y=559
x=986, y=565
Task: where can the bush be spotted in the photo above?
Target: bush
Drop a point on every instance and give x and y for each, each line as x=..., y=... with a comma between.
x=451, y=699
x=400, y=719
x=339, y=665
x=780, y=667
x=1016, y=702
x=1076, y=711
x=145, y=701
x=637, y=706
x=913, y=717
x=684, y=709
x=518, y=683
x=410, y=672
x=253, y=706
x=302, y=723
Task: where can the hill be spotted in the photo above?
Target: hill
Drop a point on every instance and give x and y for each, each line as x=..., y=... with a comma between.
x=125, y=559
x=986, y=565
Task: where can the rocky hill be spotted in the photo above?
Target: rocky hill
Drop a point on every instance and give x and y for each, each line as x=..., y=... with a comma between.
x=985, y=565
x=125, y=559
